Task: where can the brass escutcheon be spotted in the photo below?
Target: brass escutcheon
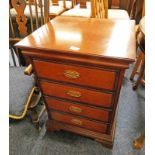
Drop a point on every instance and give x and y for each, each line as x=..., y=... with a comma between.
x=75, y=109
x=71, y=74
x=76, y=121
x=74, y=93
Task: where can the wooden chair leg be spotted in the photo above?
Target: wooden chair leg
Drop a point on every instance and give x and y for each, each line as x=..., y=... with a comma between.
x=35, y=116
x=139, y=142
x=141, y=73
x=136, y=66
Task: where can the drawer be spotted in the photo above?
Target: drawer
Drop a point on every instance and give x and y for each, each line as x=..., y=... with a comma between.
x=104, y=79
x=77, y=94
x=77, y=121
x=78, y=109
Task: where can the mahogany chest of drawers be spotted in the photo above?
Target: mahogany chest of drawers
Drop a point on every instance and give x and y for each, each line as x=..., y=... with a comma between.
x=79, y=64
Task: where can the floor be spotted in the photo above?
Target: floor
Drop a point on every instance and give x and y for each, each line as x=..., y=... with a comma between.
x=26, y=140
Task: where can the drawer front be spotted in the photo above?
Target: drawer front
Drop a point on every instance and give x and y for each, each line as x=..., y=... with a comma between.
x=78, y=109
x=75, y=74
x=77, y=94
x=81, y=122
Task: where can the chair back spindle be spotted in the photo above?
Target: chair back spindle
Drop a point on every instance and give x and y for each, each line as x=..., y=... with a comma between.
x=46, y=11
x=41, y=10
x=11, y=23
x=31, y=21
x=99, y=8
x=143, y=9
x=36, y=14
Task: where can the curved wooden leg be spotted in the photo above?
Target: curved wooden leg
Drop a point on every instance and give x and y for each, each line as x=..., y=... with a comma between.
x=141, y=73
x=136, y=66
x=139, y=142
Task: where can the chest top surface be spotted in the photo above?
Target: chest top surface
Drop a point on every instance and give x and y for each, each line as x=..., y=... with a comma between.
x=87, y=36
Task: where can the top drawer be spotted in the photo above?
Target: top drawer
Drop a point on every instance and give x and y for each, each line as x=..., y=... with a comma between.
x=98, y=78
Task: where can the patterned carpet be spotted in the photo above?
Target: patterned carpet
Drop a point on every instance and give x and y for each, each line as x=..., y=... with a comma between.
x=26, y=140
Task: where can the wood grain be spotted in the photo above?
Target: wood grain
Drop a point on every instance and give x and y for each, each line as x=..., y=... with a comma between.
x=89, y=96
x=81, y=122
x=106, y=80
x=94, y=53
x=109, y=36
x=78, y=109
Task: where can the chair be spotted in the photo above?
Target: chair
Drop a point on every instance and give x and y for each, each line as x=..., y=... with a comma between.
x=24, y=95
x=83, y=9
x=102, y=9
x=96, y=9
x=21, y=89
x=57, y=7
x=137, y=10
x=99, y=8
x=25, y=16
x=140, y=62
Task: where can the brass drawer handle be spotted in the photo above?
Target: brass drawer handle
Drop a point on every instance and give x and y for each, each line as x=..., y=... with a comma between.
x=71, y=74
x=74, y=93
x=75, y=109
x=76, y=121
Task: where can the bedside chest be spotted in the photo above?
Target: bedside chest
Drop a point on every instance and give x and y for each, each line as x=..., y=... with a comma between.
x=79, y=64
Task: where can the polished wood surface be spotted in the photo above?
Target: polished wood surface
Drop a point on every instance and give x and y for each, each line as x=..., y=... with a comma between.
x=76, y=74
x=79, y=64
x=78, y=109
x=83, y=123
x=102, y=138
x=70, y=35
x=77, y=94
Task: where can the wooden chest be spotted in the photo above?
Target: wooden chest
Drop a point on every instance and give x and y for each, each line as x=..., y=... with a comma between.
x=79, y=64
